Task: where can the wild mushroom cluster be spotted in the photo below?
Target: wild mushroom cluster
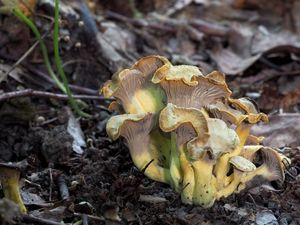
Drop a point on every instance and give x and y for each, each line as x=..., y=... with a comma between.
x=184, y=129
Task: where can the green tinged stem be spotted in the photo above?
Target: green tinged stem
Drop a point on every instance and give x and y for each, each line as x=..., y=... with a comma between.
x=59, y=65
x=175, y=163
x=188, y=182
x=11, y=191
x=64, y=87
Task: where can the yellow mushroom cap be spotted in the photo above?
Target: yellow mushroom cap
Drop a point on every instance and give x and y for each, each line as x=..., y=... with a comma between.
x=133, y=89
x=115, y=123
x=242, y=163
x=184, y=73
x=210, y=134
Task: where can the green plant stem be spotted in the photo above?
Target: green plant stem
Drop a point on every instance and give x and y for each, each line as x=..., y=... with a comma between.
x=59, y=65
x=37, y=34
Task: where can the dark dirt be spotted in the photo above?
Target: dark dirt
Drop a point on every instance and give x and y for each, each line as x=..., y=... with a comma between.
x=102, y=186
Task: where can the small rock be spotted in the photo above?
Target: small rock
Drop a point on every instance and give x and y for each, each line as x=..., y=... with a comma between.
x=266, y=218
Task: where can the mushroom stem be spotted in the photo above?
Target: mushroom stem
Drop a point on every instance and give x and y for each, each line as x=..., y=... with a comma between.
x=205, y=182
x=229, y=189
x=10, y=185
x=175, y=163
x=145, y=161
x=240, y=180
x=242, y=167
x=222, y=166
x=188, y=182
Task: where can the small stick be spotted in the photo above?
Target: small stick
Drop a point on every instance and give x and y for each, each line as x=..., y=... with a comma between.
x=51, y=184
x=24, y=56
x=252, y=199
x=35, y=220
x=137, y=22
x=44, y=94
x=90, y=217
x=170, y=25
x=73, y=87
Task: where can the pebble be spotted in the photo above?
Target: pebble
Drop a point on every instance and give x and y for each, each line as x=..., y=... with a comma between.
x=266, y=218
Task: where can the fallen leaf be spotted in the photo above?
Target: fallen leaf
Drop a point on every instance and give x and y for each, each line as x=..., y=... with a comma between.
x=282, y=130
x=56, y=215
x=75, y=131
x=231, y=63
x=283, y=41
x=5, y=71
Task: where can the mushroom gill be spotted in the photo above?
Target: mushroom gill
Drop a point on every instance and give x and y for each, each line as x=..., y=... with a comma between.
x=136, y=128
x=270, y=168
x=133, y=88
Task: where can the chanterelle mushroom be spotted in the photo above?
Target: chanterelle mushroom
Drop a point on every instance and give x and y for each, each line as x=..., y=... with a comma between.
x=184, y=128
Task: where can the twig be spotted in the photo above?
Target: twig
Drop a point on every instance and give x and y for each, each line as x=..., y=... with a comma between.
x=35, y=220
x=138, y=22
x=33, y=184
x=209, y=28
x=172, y=24
x=91, y=217
x=44, y=94
x=252, y=199
x=51, y=184
x=44, y=76
x=23, y=57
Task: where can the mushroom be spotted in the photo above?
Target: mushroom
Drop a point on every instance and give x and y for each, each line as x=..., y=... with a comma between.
x=136, y=129
x=235, y=116
x=185, y=86
x=211, y=139
x=241, y=166
x=9, y=178
x=222, y=165
x=244, y=116
x=271, y=167
x=133, y=88
x=183, y=128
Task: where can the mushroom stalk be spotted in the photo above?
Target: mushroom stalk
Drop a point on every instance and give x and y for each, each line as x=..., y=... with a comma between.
x=144, y=161
x=10, y=184
x=175, y=163
x=205, y=182
x=222, y=166
x=188, y=182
